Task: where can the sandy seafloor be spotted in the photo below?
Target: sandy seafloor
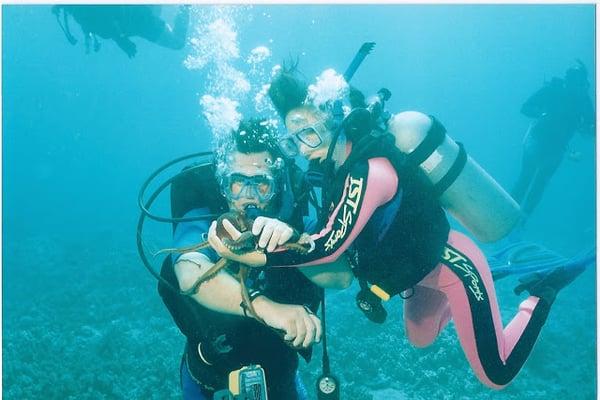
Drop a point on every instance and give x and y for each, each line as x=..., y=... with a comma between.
x=105, y=336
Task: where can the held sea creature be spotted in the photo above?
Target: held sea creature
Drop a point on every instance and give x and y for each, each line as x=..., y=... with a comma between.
x=245, y=243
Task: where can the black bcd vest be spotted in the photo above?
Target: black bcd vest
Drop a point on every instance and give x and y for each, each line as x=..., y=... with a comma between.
x=412, y=246
x=229, y=342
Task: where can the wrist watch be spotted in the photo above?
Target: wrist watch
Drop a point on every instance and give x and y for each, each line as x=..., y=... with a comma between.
x=252, y=294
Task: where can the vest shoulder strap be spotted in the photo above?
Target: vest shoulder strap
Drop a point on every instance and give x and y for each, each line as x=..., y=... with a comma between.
x=196, y=187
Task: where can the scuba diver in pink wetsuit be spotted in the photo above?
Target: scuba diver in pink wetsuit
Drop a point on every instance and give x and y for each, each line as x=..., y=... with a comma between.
x=382, y=212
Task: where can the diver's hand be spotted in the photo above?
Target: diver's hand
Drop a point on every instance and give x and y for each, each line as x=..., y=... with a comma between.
x=272, y=232
x=302, y=328
x=251, y=259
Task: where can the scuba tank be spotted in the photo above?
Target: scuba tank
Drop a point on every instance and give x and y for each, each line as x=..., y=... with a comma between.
x=465, y=189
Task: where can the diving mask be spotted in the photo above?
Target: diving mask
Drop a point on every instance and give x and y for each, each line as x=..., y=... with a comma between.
x=312, y=135
x=236, y=185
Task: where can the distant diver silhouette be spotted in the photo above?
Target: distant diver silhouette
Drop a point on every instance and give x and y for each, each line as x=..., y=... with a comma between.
x=121, y=22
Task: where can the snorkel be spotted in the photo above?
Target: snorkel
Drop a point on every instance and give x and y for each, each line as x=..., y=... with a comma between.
x=339, y=121
x=338, y=124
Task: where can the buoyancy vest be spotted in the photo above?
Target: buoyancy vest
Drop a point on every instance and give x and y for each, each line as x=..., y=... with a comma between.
x=228, y=342
x=404, y=239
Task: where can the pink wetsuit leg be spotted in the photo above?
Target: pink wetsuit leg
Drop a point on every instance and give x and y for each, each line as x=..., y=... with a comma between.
x=426, y=313
x=495, y=354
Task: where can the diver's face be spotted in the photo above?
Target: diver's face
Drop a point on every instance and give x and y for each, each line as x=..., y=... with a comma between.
x=310, y=134
x=249, y=182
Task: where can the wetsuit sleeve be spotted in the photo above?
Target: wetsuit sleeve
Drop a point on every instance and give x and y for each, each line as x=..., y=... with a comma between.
x=367, y=186
x=193, y=232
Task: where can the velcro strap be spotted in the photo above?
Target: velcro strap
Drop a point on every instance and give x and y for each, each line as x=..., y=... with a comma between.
x=453, y=173
x=433, y=140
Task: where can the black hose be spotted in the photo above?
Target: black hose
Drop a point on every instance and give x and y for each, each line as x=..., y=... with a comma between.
x=326, y=367
x=145, y=207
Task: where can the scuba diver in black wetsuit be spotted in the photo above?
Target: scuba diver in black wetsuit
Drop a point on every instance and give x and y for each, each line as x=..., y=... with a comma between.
x=121, y=22
x=221, y=337
x=559, y=109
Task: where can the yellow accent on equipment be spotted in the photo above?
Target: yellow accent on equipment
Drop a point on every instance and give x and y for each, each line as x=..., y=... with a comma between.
x=379, y=292
x=249, y=380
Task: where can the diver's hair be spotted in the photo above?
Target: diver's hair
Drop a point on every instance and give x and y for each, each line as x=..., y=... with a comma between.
x=255, y=135
x=288, y=90
x=357, y=98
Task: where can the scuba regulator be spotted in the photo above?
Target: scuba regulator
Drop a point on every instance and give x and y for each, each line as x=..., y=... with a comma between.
x=370, y=304
x=376, y=106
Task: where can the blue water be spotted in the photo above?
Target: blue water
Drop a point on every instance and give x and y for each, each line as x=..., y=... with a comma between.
x=81, y=318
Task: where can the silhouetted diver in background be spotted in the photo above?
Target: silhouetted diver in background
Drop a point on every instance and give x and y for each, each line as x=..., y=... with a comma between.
x=121, y=22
